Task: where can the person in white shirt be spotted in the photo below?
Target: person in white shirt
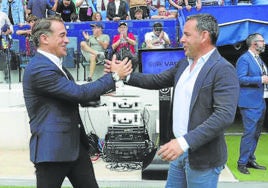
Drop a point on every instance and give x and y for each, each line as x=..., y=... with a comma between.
x=157, y=38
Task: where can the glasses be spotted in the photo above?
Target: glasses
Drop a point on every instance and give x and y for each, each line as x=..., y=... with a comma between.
x=259, y=40
x=158, y=29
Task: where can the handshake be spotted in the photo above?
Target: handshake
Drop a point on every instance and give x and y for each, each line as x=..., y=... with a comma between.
x=123, y=68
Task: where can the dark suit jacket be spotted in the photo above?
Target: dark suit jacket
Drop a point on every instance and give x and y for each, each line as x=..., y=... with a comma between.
x=122, y=12
x=52, y=104
x=249, y=75
x=212, y=109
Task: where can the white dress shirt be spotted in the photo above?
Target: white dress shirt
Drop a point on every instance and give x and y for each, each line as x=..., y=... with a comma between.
x=182, y=99
x=57, y=61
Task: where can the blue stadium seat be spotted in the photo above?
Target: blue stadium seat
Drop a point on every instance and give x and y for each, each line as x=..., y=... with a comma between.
x=70, y=60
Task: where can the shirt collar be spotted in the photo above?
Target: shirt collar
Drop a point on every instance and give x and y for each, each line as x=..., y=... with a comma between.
x=203, y=58
x=254, y=55
x=52, y=57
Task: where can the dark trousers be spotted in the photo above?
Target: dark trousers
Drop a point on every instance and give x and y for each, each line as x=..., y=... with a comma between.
x=83, y=15
x=253, y=119
x=79, y=172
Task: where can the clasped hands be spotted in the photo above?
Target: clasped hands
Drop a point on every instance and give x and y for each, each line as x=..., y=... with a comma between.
x=122, y=68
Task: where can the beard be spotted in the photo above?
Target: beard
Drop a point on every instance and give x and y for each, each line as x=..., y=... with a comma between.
x=260, y=49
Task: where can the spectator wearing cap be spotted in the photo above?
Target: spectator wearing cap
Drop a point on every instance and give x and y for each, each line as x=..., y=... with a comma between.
x=66, y=8
x=124, y=43
x=94, y=46
x=14, y=10
x=117, y=10
x=163, y=14
x=124, y=39
x=138, y=14
x=157, y=38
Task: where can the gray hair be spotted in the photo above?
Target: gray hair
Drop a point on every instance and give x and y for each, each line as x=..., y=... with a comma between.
x=43, y=26
x=206, y=22
x=252, y=38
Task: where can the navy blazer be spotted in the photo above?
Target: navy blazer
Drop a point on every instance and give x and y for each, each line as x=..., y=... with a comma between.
x=212, y=109
x=52, y=102
x=251, y=87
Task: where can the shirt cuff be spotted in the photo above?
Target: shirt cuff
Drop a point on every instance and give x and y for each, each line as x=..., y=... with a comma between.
x=127, y=78
x=184, y=145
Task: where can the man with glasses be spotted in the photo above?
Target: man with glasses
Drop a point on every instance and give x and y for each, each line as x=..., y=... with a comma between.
x=157, y=38
x=253, y=79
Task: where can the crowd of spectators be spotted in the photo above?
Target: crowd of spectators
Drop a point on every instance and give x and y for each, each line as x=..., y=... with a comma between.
x=85, y=10
x=21, y=12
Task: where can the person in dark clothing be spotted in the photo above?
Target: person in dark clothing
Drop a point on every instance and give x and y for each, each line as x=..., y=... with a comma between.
x=66, y=8
x=115, y=12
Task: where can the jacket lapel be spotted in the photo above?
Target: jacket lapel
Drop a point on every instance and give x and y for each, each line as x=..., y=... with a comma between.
x=213, y=59
x=70, y=77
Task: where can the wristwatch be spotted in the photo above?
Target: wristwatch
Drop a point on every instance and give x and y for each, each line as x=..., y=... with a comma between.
x=115, y=76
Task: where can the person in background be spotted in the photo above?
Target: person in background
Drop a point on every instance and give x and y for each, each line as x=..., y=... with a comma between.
x=135, y=4
x=59, y=145
x=193, y=3
x=124, y=43
x=66, y=8
x=14, y=10
x=51, y=12
x=29, y=44
x=40, y=7
x=86, y=9
x=177, y=4
x=6, y=29
x=204, y=104
x=4, y=21
x=117, y=10
x=138, y=14
x=155, y=4
x=25, y=4
x=102, y=5
x=163, y=14
x=157, y=38
x=124, y=39
x=94, y=47
x=252, y=74
x=97, y=16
